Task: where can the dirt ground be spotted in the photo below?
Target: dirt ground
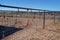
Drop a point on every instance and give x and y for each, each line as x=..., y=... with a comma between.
x=33, y=29
x=31, y=33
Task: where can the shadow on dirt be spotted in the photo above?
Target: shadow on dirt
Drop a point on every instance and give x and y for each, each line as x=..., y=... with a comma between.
x=6, y=31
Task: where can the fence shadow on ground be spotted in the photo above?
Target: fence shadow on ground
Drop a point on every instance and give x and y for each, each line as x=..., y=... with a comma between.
x=6, y=31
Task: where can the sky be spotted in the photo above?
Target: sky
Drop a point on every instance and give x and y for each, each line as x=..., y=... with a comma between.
x=53, y=5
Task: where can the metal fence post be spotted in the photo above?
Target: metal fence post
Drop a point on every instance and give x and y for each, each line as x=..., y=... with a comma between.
x=39, y=13
x=28, y=20
x=44, y=20
x=54, y=17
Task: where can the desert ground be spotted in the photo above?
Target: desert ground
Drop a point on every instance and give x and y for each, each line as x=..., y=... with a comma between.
x=33, y=28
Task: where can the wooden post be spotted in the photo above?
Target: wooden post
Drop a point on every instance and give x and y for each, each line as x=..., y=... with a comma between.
x=44, y=20
x=4, y=18
x=54, y=17
x=28, y=19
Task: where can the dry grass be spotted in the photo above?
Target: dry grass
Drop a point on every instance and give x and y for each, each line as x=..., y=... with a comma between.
x=33, y=29
x=32, y=34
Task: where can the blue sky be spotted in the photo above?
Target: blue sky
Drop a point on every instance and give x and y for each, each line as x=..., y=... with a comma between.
x=38, y=4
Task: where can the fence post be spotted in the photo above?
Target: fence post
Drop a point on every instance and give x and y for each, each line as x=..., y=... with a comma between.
x=39, y=13
x=54, y=17
x=28, y=20
x=44, y=20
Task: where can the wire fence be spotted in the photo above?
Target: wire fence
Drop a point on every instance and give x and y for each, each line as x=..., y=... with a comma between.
x=28, y=17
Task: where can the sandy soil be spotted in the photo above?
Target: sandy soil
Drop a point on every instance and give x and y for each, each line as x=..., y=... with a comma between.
x=33, y=30
x=31, y=33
